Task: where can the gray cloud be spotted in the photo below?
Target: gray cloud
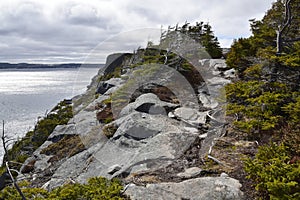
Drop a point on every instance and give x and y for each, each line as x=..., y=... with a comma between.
x=66, y=31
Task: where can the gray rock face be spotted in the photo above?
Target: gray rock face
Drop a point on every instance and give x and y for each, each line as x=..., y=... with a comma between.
x=60, y=131
x=113, y=61
x=217, y=64
x=142, y=125
x=103, y=87
x=148, y=103
x=116, y=83
x=192, y=116
x=190, y=172
x=142, y=142
x=205, y=188
x=146, y=155
x=113, y=169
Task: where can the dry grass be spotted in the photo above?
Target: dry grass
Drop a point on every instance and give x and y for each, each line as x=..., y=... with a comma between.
x=68, y=146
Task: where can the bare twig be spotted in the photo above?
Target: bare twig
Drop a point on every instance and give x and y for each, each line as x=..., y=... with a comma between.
x=214, y=159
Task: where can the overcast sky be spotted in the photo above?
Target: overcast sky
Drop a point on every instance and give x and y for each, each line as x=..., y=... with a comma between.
x=56, y=31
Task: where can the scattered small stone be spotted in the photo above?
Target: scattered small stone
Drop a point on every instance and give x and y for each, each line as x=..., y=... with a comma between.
x=190, y=172
x=202, y=136
x=229, y=73
x=224, y=175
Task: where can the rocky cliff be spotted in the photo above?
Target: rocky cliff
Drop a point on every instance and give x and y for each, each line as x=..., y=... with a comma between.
x=152, y=126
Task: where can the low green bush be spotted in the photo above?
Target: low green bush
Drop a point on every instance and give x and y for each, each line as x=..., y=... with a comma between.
x=293, y=108
x=96, y=188
x=274, y=173
x=259, y=105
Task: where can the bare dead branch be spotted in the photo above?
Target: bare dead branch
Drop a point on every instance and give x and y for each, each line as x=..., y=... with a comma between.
x=287, y=22
x=14, y=182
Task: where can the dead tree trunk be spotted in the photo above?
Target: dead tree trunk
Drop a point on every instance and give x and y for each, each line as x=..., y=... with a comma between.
x=287, y=22
x=3, y=137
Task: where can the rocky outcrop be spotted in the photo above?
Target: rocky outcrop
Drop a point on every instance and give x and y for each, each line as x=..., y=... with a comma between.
x=114, y=60
x=160, y=131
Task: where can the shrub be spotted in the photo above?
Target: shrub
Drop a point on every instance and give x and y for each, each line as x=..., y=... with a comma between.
x=96, y=188
x=30, y=193
x=238, y=56
x=293, y=109
x=258, y=104
x=253, y=72
x=273, y=173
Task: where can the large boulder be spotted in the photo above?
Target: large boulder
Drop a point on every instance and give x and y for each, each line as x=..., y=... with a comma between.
x=205, y=188
x=148, y=103
x=140, y=126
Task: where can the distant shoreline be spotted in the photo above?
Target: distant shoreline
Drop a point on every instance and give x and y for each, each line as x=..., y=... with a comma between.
x=47, y=66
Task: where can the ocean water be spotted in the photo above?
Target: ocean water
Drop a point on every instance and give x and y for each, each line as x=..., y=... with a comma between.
x=28, y=94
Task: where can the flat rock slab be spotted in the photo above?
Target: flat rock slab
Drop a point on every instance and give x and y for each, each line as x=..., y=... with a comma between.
x=205, y=188
x=190, y=172
x=190, y=115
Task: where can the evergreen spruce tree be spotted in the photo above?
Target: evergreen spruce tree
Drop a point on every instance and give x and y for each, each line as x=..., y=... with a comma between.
x=201, y=33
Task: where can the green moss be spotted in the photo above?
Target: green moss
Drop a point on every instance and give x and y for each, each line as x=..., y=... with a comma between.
x=186, y=66
x=108, y=120
x=107, y=101
x=115, y=74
